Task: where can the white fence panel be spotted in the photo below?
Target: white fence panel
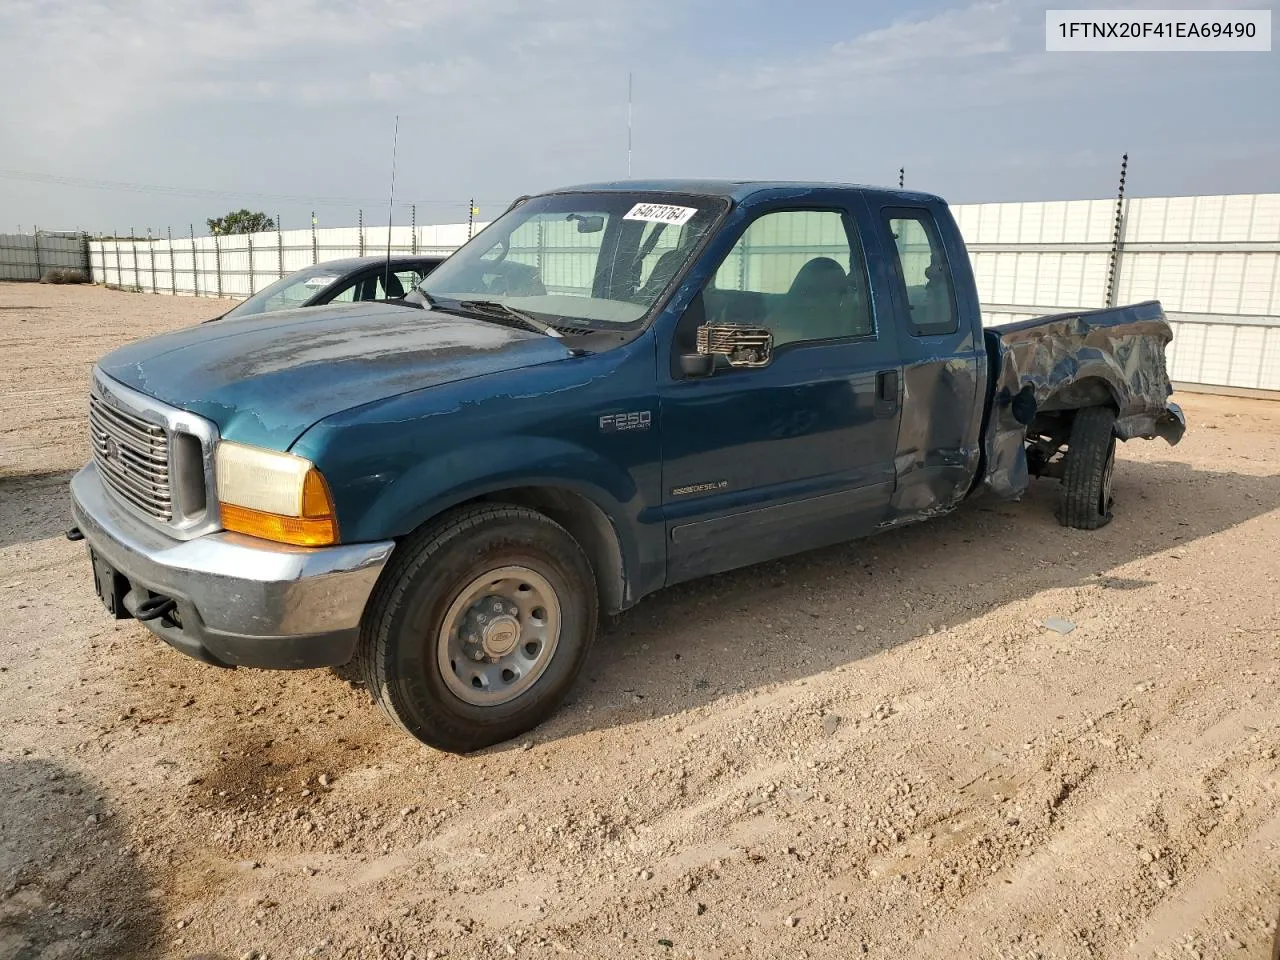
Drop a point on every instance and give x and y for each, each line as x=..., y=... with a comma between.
x=239, y=265
x=1214, y=262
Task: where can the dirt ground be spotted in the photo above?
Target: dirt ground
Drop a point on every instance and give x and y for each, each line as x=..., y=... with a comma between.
x=875, y=749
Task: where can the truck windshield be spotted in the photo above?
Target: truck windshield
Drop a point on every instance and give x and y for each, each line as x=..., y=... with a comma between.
x=596, y=260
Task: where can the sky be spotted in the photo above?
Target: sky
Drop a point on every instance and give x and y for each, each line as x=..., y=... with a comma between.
x=288, y=106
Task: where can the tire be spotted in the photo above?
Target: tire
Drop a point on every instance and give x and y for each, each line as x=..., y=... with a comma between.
x=1086, y=479
x=520, y=598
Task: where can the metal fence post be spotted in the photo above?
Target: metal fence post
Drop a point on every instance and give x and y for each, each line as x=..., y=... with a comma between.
x=217, y=261
x=36, y=239
x=133, y=248
x=115, y=237
x=173, y=266
x=195, y=269
x=151, y=251
x=743, y=257
x=413, y=221
x=360, y=220
x=1117, y=239
x=279, y=247
x=249, y=240
x=471, y=217
x=315, y=243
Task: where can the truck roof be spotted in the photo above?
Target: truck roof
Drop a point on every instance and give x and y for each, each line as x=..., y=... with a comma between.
x=740, y=190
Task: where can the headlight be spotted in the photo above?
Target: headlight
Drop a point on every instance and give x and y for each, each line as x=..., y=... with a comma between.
x=276, y=496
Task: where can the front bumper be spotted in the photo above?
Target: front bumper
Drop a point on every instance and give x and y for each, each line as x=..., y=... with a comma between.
x=240, y=601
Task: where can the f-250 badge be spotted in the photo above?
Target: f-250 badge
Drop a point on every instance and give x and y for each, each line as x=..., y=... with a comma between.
x=622, y=422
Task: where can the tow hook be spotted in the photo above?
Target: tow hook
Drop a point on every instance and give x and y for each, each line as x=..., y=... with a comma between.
x=154, y=607
x=74, y=535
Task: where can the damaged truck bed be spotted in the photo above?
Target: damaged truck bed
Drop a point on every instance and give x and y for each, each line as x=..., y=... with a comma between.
x=1045, y=369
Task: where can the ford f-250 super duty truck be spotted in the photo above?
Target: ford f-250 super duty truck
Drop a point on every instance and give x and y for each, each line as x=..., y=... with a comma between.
x=610, y=389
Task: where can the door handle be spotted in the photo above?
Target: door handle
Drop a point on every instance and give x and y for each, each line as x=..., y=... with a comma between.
x=887, y=386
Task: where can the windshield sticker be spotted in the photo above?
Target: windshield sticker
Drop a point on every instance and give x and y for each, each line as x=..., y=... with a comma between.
x=661, y=213
x=318, y=281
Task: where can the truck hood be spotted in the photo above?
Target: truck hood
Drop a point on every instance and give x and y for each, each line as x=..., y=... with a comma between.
x=265, y=379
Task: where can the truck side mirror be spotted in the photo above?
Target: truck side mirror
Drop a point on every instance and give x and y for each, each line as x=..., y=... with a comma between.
x=697, y=365
x=741, y=344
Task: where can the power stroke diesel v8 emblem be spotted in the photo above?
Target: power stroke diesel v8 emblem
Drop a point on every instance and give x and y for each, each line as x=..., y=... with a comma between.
x=699, y=488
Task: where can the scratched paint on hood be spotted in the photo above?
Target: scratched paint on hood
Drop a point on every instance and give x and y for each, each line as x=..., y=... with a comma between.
x=265, y=379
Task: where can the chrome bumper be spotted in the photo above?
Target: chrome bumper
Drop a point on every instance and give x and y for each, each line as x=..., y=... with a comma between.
x=240, y=601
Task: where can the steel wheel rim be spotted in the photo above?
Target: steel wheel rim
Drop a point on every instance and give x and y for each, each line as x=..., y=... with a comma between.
x=499, y=636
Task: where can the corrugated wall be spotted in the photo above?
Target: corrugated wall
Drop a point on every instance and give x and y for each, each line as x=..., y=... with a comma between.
x=1214, y=262
x=242, y=264
x=26, y=256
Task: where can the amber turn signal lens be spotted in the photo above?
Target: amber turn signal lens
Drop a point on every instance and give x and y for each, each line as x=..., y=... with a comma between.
x=316, y=502
x=317, y=527
x=301, y=531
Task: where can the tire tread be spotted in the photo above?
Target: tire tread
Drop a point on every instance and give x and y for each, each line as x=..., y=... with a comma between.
x=1088, y=449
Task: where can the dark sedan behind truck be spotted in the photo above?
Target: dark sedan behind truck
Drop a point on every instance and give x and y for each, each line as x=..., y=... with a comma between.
x=351, y=280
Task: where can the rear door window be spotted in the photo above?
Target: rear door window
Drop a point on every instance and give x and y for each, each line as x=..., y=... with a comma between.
x=924, y=272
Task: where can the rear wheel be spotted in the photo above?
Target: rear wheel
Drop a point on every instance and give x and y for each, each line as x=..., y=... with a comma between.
x=477, y=631
x=1086, y=479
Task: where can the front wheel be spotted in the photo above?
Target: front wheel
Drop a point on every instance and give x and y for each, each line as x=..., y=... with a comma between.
x=1086, y=478
x=479, y=627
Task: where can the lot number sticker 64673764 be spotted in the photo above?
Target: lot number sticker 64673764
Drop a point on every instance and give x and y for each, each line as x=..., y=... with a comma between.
x=661, y=213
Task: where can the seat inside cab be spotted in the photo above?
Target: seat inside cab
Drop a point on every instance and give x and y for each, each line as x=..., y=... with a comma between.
x=821, y=302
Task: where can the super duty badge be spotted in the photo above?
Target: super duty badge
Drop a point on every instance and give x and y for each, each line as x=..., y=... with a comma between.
x=621, y=422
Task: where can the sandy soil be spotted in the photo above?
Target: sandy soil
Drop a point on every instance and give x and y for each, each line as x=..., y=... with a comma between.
x=875, y=749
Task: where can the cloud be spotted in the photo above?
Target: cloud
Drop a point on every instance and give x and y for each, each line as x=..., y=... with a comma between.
x=501, y=97
x=97, y=64
x=884, y=63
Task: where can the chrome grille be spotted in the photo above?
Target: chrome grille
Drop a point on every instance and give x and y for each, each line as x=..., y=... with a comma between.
x=133, y=457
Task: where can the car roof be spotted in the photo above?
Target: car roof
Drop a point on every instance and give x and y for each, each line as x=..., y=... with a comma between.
x=740, y=190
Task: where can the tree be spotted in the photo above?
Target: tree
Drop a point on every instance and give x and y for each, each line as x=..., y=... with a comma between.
x=241, y=221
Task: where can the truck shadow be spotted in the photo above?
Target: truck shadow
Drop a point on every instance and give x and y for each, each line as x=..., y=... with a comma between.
x=68, y=885
x=34, y=506
x=780, y=621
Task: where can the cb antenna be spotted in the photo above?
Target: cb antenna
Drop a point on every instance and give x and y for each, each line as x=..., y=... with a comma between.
x=628, y=124
x=391, y=205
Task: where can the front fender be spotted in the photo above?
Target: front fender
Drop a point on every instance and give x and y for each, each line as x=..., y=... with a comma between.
x=397, y=506
x=435, y=484
x=394, y=465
